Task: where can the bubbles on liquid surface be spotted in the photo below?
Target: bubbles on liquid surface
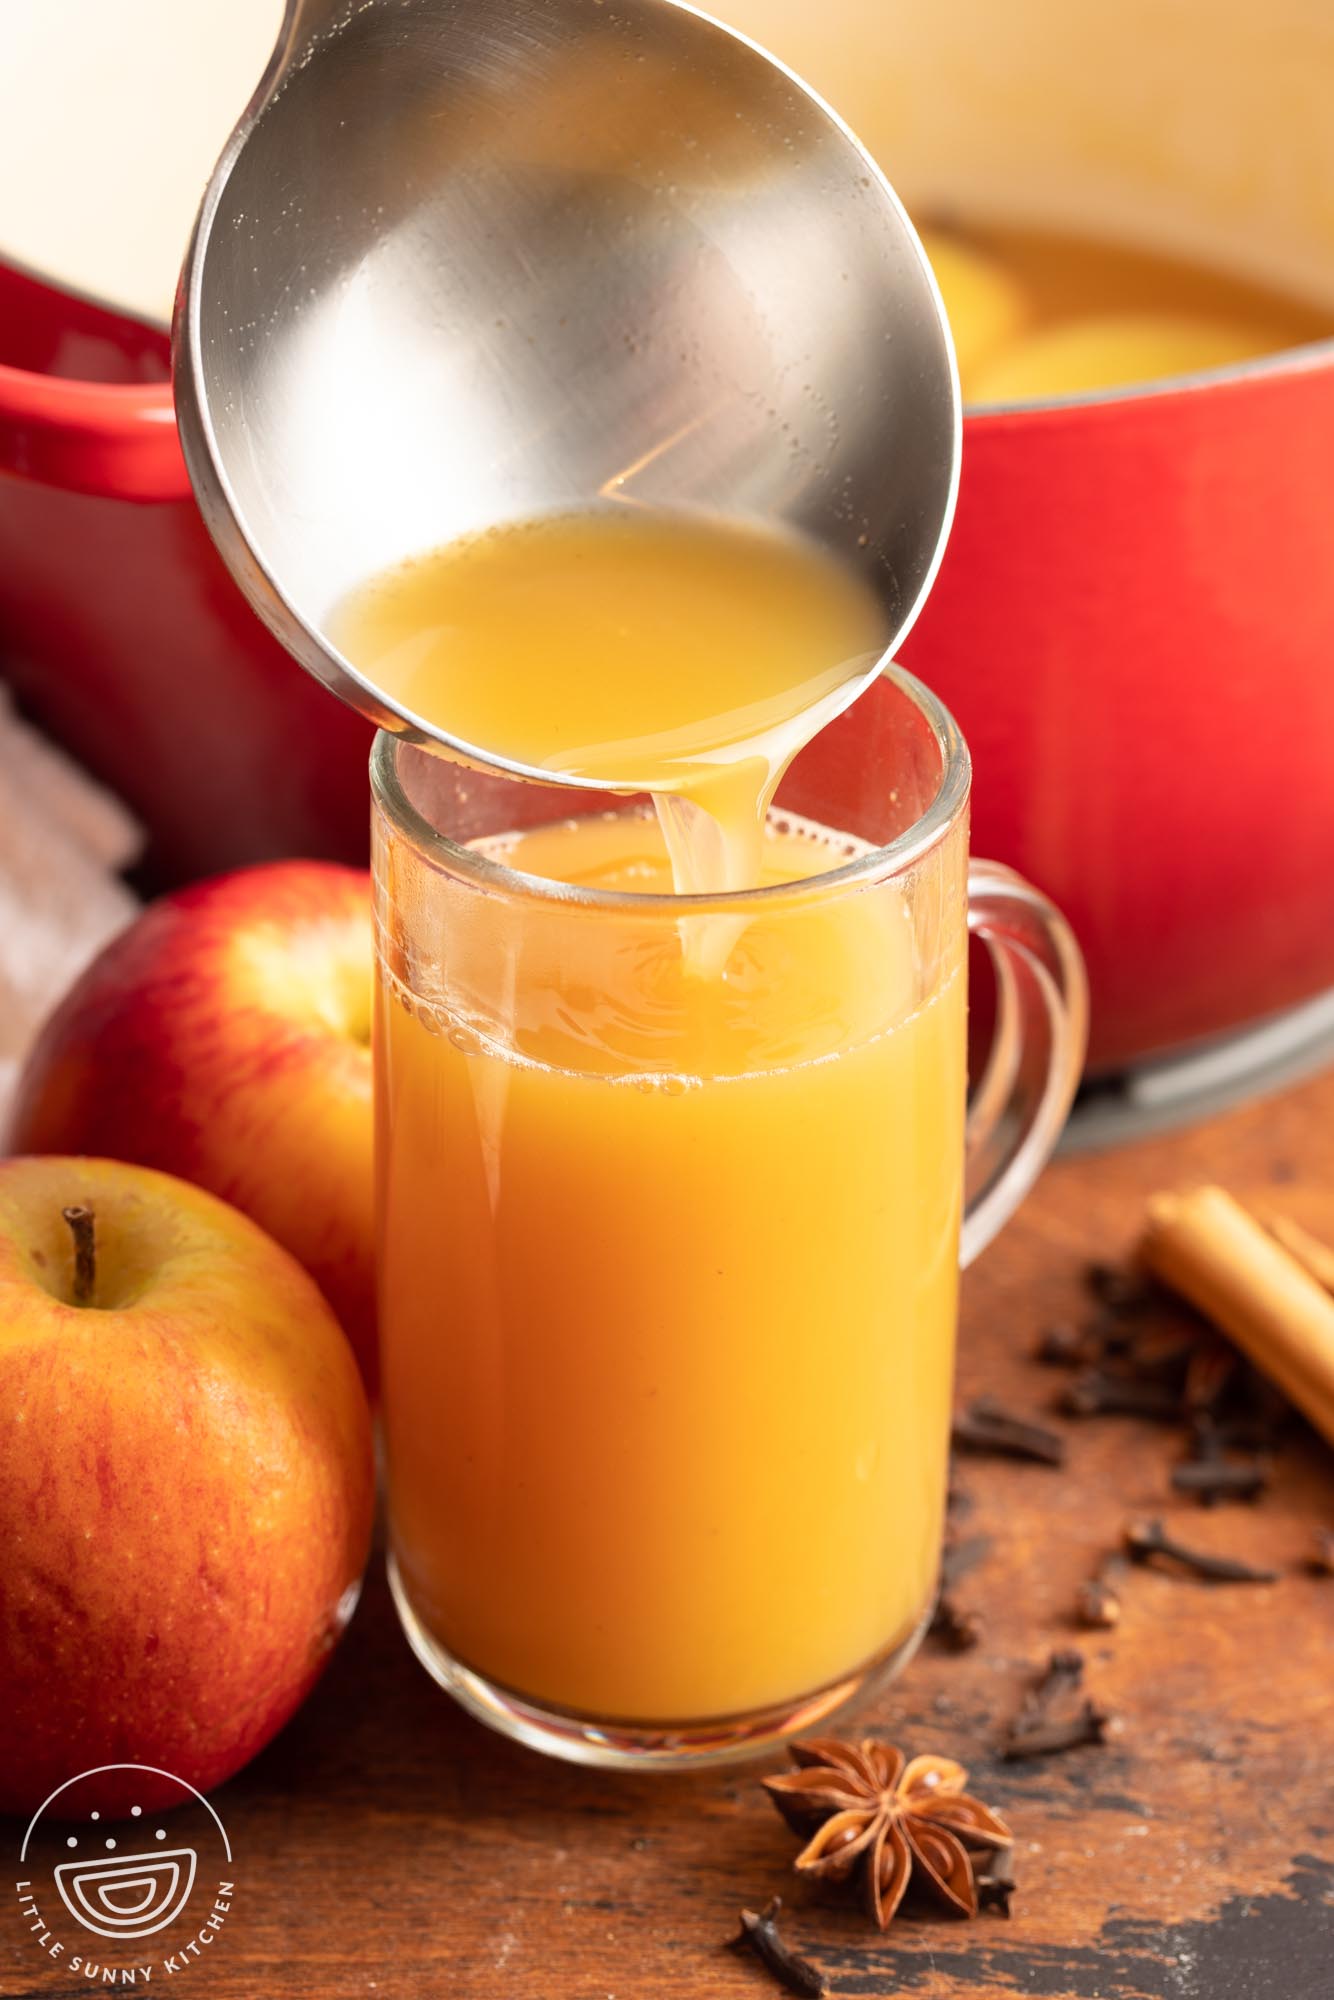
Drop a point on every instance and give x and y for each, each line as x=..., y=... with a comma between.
x=651, y=1084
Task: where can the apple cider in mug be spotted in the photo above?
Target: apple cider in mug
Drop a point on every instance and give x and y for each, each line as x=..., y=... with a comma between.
x=670, y=1124
x=669, y=1215
x=669, y=1282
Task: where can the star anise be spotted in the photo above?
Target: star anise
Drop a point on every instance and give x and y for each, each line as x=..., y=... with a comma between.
x=870, y=1813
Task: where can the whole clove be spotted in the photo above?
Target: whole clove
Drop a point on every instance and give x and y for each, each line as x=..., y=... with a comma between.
x=957, y=1630
x=759, y=1935
x=987, y=1427
x=1087, y=1724
x=1063, y=1675
x=1066, y=1346
x=1148, y=1541
x=1047, y=1722
x=1098, y=1604
x=1206, y=1439
x=1217, y=1479
x=1097, y=1393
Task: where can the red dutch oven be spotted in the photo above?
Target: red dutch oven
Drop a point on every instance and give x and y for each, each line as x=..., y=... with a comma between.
x=1135, y=619
x=121, y=630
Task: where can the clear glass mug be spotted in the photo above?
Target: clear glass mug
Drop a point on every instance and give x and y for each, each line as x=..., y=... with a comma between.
x=671, y=1210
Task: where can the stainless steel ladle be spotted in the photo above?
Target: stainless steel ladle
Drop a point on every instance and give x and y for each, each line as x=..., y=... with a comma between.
x=468, y=260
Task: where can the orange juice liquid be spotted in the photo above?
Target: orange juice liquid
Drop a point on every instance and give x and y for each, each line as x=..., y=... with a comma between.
x=668, y=1205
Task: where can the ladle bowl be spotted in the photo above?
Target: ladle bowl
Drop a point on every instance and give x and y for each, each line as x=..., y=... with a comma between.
x=465, y=261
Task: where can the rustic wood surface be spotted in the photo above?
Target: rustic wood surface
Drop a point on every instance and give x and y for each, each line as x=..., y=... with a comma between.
x=387, y=1845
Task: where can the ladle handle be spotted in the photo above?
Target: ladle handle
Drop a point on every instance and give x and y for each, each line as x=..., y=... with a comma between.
x=1037, y=1053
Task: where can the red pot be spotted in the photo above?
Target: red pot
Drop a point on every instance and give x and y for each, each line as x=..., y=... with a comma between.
x=1135, y=620
x=121, y=630
x=1134, y=623
x=1134, y=626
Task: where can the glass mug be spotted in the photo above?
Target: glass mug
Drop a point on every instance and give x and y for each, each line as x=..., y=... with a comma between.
x=671, y=1211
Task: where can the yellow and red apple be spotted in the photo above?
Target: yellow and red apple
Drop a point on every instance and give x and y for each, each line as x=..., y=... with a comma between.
x=225, y=1037
x=186, y=1480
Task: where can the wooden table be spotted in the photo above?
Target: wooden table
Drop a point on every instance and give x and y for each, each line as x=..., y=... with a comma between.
x=386, y=1845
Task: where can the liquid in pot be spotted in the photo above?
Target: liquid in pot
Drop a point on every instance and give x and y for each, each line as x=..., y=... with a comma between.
x=1036, y=314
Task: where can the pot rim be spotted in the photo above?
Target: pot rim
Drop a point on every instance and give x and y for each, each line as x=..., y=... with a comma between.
x=1306, y=358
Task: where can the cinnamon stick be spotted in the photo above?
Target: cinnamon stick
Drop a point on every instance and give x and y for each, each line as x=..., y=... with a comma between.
x=1313, y=1255
x=1206, y=1247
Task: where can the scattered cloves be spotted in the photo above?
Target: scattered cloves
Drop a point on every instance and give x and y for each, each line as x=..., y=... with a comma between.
x=1046, y=1723
x=759, y=1935
x=1098, y=1601
x=1097, y=1393
x=1063, y=1675
x=1206, y=1444
x=1065, y=1346
x=1148, y=1540
x=1115, y=1338
x=1216, y=1479
x=1087, y=1724
x=986, y=1427
x=957, y=1630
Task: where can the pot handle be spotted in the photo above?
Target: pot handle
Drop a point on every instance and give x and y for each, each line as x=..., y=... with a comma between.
x=1019, y=1107
x=114, y=439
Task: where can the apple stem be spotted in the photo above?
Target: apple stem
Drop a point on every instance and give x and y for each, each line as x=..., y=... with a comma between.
x=83, y=1230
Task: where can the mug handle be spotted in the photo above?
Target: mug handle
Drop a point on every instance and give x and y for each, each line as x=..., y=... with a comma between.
x=1018, y=1109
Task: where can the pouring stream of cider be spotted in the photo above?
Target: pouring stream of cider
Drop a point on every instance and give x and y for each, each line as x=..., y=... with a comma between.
x=638, y=650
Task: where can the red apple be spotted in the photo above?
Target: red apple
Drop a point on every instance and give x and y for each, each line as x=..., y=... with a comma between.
x=186, y=1481
x=225, y=1037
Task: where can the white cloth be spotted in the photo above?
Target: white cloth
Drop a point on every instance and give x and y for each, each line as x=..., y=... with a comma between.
x=63, y=840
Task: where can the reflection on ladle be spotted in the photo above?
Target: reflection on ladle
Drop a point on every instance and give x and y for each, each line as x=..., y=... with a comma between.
x=431, y=290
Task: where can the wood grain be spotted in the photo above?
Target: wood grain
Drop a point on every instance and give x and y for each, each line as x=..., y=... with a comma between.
x=386, y=1845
